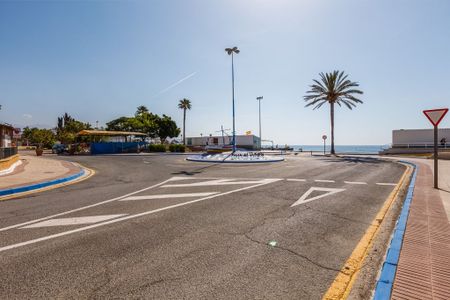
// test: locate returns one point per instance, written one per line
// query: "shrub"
(156, 148)
(177, 148)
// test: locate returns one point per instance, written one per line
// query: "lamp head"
(232, 50)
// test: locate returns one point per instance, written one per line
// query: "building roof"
(6, 125)
(109, 133)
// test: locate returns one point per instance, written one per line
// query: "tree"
(41, 137)
(148, 121)
(26, 136)
(67, 128)
(142, 109)
(167, 128)
(184, 104)
(124, 124)
(333, 88)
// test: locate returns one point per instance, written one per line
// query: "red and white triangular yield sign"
(435, 115)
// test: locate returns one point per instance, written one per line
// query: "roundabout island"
(235, 157)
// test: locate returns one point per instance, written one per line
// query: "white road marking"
(73, 221)
(166, 196)
(90, 206)
(323, 180)
(229, 181)
(266, 181)
(355, 182)
(303, 198)
(295, 179)
(383, 183)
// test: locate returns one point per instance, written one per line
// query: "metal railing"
(422, 145)
(7, 152)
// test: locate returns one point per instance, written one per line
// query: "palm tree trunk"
(184, 127)
(332, 127)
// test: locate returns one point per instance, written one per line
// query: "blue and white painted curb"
(385, 283)
(11, 168)
(27, 188)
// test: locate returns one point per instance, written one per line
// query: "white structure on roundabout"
(236, 157)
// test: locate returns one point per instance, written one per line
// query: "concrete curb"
(385, 282)
(36, 186)
(11, 168)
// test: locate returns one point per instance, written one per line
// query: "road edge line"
(13, 193)
(343, 283)
(385, 282)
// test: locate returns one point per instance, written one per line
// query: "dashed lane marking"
(129, 217)
(295, 179)
(384, 183)
(304, 197)
(323, 180)
(166, 196)
(355, 182)
(73, 221)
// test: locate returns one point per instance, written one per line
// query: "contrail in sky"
(175, 84)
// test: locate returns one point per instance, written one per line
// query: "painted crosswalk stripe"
(355, 182)
(384, 183)
(73, 221)
(166, 196)
(323, 180)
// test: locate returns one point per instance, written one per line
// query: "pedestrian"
(443, 142)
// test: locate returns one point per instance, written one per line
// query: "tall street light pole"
(232, 51)
(260, 136)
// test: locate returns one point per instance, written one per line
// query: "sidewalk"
(36, 173)
(423, 269)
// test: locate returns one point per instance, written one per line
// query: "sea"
(343, 149)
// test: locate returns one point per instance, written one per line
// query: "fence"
(116, 147)
(422, 145)
(7, 152)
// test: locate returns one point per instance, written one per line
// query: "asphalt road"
(159, 227)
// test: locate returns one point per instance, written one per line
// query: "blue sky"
(99, 60)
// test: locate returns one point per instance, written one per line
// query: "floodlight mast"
(232, 51)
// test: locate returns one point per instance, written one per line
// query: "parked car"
(59, 148)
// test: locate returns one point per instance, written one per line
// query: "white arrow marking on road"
(49, 237)
(303, 198)
(166, 196)
(217, 182)
(73, 221)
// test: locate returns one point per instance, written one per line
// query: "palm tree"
(333, 88)
(184, 104)
(142, 109)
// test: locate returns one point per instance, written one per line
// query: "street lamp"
(232, 51)
(260, 137)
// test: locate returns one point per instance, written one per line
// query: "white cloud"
(27, 116)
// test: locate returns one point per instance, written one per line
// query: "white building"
(250, 142)
(418, 138)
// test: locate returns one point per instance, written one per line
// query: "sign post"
(324, 137)
(435, 116)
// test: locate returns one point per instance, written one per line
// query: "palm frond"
(333, 87)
